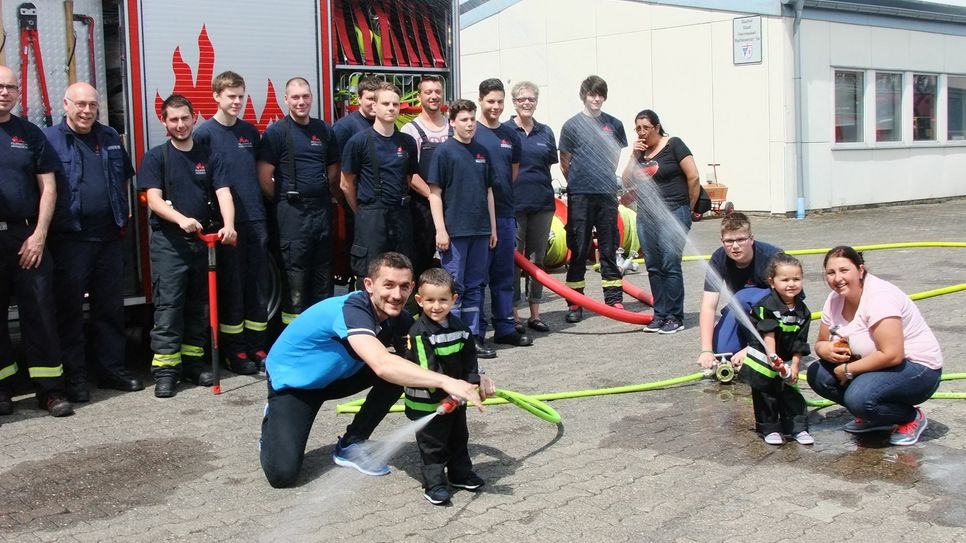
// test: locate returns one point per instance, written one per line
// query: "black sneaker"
(57, 405)
(473, 482)
(671, 326)
(655, 326)
(482, 350)
(438, 495)
(575, 313)
(240, 363)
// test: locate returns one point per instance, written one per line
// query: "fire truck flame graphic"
(198, 90)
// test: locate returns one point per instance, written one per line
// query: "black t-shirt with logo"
(193, 178)
(504, 147)
(396, 156)
(236, 147)
(463, 171)
(24, 153)
(316, 147)
(595, 145)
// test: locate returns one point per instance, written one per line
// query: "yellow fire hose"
(535, 403)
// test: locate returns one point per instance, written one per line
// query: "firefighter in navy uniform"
(377, 169)
(182, 184)
(86, 243)
(27, 198)
(243, 281)
(298, 168)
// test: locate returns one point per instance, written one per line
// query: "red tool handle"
(211, 240)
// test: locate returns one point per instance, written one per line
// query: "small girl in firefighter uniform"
(442, 343)
(782, 319)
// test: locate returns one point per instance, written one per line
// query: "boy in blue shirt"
(461, 199)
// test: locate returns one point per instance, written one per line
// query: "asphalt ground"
(681, 464)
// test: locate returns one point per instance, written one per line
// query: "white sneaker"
(774, 438)
(804, 438)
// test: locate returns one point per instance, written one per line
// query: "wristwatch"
(848, 374)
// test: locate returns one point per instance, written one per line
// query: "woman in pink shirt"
(879, 357)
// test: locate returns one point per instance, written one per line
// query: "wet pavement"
(680, 464)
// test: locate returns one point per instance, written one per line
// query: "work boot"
(240, 363)
(259, 357)
(165, 382)
(515, 338)
(57, 405)
(482, 350)
(121, 380)
(196, 373)
(77, 390)
(575, 313)
(6, 403)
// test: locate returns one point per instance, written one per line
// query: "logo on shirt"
(400, 152)
(608, 129)
(504, 143)
(315, 141)
(113, 147)
(16, 142)
(200, 168)
(244, 143)
(480, 159)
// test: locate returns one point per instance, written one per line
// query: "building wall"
(868, 173)
(674, 60)
(678, 61)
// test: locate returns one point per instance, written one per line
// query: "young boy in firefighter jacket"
(440, 342)
(182, 184)
(782, 319)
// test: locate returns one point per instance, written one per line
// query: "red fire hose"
(211, 240)
(640, 294)
(575, 297)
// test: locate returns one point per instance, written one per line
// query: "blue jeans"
(467, 260)
(663, 245)
(501, 275)
(886, 396)
(726, 338)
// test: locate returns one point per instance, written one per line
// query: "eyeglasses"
(83, 105)
(735, 241)
(523, 99)
(645, 128)
(9, 88)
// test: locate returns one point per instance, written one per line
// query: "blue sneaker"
(357, 456)
(438, 495)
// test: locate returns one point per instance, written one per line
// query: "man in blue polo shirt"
(242, 268)
(590, 146)
(377, 168)
(298, 168)
(335, 349)
(27, 198)
(503, 145)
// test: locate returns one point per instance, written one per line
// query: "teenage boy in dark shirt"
(503, 146)
(182, 182)
(377, 168)
(590, 145)
(298, 168)
(461, 198)
(243, 268)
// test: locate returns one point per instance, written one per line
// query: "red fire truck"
(137, 52)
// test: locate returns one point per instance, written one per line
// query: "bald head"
(9, 92)
(80, 104)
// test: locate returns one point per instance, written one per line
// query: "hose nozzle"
(724, 372)
(449, 405)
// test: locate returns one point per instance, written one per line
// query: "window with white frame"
(888, 106)
(956, 108)
(849, 114)
(924, 107)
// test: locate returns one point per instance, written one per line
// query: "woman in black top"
(665, 179)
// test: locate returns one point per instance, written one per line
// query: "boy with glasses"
(740, 265)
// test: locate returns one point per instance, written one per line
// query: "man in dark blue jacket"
(87, 246)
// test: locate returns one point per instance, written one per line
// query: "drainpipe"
(799, 6)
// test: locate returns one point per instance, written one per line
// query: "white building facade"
(880, 115)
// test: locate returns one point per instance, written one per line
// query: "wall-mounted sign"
(747, 38)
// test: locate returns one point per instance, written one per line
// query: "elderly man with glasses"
(739, 268)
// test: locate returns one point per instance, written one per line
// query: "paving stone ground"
(680, 464)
